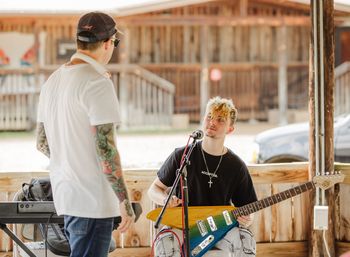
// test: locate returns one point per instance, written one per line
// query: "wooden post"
(32, 97)
(186, 40)
(204, 86)
(322, 108)
(243, 8)
(282, 75)
(124, 79)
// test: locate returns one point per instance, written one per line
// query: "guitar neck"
(271, 200)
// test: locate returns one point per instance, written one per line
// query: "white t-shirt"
(72, 100)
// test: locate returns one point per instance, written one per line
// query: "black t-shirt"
(233, 182)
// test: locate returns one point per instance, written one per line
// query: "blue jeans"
(88, 237)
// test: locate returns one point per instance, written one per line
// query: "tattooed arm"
(41, 140)
(110, 161)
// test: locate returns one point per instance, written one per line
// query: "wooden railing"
(281, 230)
(253, 86)
(145, 98)
(149, 100)
(18, 98)
(342, 89)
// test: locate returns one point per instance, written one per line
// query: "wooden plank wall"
(279, 228)
(230, 44)
(252, 86)
(178, 44)
(227, 46)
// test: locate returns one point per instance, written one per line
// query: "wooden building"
(237, 49)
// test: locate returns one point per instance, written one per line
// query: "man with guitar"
(216, 176)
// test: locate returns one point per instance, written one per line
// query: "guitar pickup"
(227, 217)
(211, 223)
(202, 228)
(202, 245)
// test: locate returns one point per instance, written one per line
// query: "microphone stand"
(181, 172)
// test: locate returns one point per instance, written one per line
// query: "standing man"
(215, 176)
(77, 115)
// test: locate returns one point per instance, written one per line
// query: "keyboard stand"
(16, 239)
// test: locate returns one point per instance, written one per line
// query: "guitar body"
(207, 224)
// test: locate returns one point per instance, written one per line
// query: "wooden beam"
(286, 4)
(271, 173)
(7, 254)
(186, 40)
(285, 249)
(131, 252)
(243, 8)
(282, 75)
(295, 172)
(321, 117)
(342, 247)
(224, 66)
(216, 21)
(345, 169)
(124, 54)
(204, 83)
(9, 181)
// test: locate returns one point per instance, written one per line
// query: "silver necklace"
(208, 173)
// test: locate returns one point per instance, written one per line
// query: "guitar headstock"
(326, 181)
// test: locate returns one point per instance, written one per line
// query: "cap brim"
(119, 31)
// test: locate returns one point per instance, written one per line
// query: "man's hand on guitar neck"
(245, 221)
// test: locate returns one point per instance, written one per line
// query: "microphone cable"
(169, 231)
(46, 231)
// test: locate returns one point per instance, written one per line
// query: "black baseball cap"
(95, 26)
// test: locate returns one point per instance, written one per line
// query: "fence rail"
(281, 230)
(145, 98)
(18, 98)
(253, 86)
(148, 98)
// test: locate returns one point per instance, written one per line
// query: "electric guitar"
(208, 224)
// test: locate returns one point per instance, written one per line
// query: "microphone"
(197, 134)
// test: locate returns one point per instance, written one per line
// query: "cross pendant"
(210, 182)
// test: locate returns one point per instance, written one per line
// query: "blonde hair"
(224, 107)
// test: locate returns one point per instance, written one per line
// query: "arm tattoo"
(110, 161)
(41, 140)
